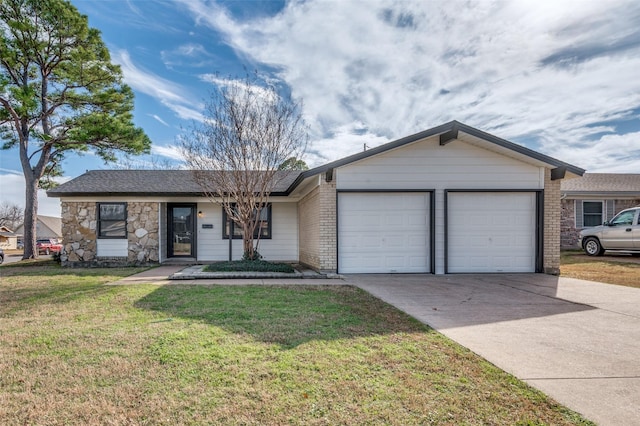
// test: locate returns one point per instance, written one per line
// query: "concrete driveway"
(577, 341)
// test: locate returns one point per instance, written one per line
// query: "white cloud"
(170, 151)
(13, 191)
(610, 153)
(527, 70)
(192, 50)
(346, 140)
(166, 92)
(189, 54)
(156, 117)
(241, 85)
(10, 171)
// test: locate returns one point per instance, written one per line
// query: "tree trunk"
(30, 218)
(247, 241)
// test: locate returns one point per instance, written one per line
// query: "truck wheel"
(593, 247)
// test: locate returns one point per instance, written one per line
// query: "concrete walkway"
(161, 274)
(577, 341)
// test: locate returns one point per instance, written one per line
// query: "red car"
(48, 246)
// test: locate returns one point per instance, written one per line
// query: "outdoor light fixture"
(200, 214)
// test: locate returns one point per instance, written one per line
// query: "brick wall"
(626, 204)
(317, 222)
(568, 231)
(328, 233)
(309, 229)
(552, 213)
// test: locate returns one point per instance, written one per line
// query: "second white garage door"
(491, 232)
(383, 232)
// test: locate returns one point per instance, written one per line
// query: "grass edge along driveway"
(74, 351)
(610, 268)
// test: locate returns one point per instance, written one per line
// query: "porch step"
(180, 261)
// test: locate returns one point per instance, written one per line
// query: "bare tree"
(11, 215)
(248, 132)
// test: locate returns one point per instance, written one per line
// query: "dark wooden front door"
(181, 235)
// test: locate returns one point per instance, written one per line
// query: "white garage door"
(383, 232)
(491, 232)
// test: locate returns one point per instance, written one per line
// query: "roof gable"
(54, 224)
(447, 133)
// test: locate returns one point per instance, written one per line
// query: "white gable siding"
(283, 246)
(427, 165)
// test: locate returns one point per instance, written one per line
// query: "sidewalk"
(159, 275)
(183, 274)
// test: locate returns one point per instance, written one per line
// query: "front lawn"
(75, 351)
(619, 270)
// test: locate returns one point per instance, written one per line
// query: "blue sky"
(560, 77)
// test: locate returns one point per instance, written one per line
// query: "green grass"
(249, 266)
(76, 351)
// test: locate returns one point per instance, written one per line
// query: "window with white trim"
(592, 213)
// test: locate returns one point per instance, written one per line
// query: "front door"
(181, 234)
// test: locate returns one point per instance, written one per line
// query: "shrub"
(251, 257)
(249, 266)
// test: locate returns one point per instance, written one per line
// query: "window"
(112, 220)
(592, 213)
(624, 218)
(263, 226)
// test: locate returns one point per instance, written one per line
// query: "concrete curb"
(196, 273)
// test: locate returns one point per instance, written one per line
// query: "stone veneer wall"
(79, 227)
(143, 223)
(78, 233)
(552, 212)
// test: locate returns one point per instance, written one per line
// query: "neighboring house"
(8, 238)
(593, 199)
(46, 227)
(450, 199)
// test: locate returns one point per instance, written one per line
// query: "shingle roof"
(603, 183)
(53, 223)
(181, 182)
(145, 182)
